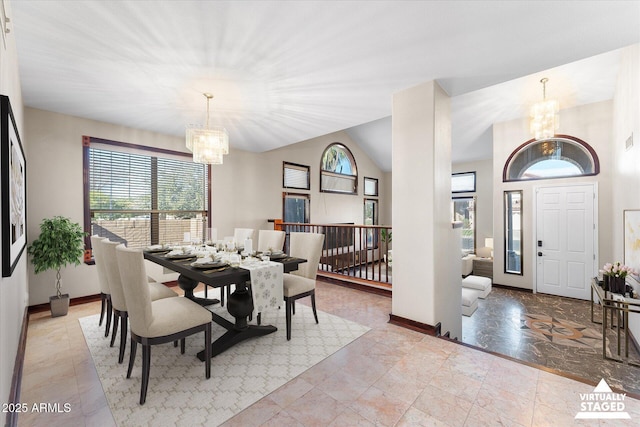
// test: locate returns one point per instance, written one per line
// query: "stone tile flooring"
(550, 331)
(391, 376)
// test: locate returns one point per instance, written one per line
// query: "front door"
(565, 240)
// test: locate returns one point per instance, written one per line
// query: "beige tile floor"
(391, 376)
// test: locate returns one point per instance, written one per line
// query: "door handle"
(539, 253)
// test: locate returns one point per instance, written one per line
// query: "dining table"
(239, 304)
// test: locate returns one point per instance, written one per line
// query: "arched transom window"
(338, 171)
(558, 157)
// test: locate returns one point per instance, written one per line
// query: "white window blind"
(295, 176)
(141, 199)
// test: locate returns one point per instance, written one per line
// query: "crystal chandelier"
(544, 115)
(209, 144)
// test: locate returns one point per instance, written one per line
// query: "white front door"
(565, 240)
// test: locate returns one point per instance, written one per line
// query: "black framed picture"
(464, 182)
(14, 190)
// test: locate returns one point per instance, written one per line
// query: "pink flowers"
(617, 270)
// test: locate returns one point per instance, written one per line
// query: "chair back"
(240, 234)
(97, 256)
(309, 247)
(108, 250)
(270, 239)
(136, 289)
(212, 234)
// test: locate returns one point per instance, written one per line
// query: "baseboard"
(39, 308)
(16, 380)
(415, 326)
(353, 283)
(512, 288)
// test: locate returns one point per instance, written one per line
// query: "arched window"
(338, 171)
(558, 157)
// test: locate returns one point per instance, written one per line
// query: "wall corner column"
(425, 286)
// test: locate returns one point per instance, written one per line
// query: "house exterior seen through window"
(338, 171)
(141, 196)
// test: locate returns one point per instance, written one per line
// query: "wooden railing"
(350, 251)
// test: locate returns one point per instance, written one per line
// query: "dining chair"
(105, 292)
(120, 313)
(302, 282)
(241, 234)
(270, 240)
(160, 321)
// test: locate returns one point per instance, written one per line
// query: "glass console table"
(618, 307)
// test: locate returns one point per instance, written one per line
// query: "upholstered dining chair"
(270, 239)
(105, 292)
(160, 321)
(241, 234)
(302, 282)
(120, 315)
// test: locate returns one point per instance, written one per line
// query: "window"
(558, 157)
(295, 176)
(464, 182)
(141, 196)
(513, 232)
(464, 210)
(295, 208)
(338, 172)
(370, 186)
(371, 218)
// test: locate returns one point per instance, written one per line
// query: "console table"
(483, 267)
(618, 306)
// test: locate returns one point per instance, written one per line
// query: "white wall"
(426, 288)
(247, 188)
(13, 290)
(593, 124)
(626, 180)
(484, 196)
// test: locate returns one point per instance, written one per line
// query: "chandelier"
(209, 144)
(544, 115)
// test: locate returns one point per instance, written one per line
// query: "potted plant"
(386, 235)
(61, 242)
(614, 277)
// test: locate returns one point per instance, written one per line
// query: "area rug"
(178, 392)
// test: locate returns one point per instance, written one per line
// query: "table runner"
(266, 285)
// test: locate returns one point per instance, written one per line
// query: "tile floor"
(389, 377)
(549, 331)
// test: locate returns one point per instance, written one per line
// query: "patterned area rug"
(178, 392)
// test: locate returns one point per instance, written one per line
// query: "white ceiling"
(285, 71)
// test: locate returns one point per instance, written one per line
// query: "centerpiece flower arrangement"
(614, 275)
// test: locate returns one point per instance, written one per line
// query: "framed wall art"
(632, 238)
(14, 190)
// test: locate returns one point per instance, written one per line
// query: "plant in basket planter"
(614, 276)
(61, 242)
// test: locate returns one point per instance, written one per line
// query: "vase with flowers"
(614, 276)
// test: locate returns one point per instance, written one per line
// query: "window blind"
(296, 176)
(141, 199)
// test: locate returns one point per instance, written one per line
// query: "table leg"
(188, 285)
(240, 306)
(604, 331)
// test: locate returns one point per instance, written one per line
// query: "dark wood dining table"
(239, 304)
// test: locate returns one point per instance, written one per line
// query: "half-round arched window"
(559, 157)
(338, 171)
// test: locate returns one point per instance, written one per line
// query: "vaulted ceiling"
(286, 71)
